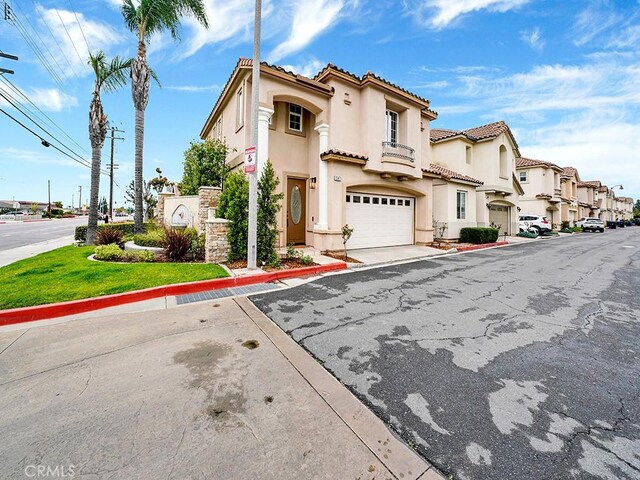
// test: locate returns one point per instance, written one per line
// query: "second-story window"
(240, 108)
(295, 117)
(392, 126)
(523, 176)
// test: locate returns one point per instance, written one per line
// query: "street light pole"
(253, 176)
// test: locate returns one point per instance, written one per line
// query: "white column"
(264, 114)
(323, 178)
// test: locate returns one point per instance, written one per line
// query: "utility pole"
(112, 167)
(253, 176)
(49, 193)
(80, 198)
(7, 16)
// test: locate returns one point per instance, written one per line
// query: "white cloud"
(533, 38)
(69, 48)
(308, 69)
(629, 37)
(438, 14)
(228, 21)
(310, 19)
(52, 99)
(592, 21)
(40, 157)
(194, 88)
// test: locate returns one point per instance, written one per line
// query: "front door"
(296, 211)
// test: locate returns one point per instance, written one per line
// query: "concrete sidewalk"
(26, 251)
(208, 390)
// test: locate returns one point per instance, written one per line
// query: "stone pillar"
(162, 196)
(323, 179)
(264, 115)
(216, 248)
(207, 198)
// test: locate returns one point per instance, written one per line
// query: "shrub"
(125, 228)
(138, 256)
(478, 235)
(267, 221)
(108, 253)
(153, 238)
(234, 206)
(197, 246)
(565, 225)
(527, 234)
(566, 230)
(108, 234)
(177, 244)
(306, 259)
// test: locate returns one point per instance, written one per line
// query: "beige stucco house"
(569, 185)
(540, 181)
(604, 203)
(347, 149)
(489, 193)
(588, 197)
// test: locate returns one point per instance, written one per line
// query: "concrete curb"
(54, 310)
(481, 246)
(400, 460)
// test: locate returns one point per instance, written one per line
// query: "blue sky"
(565, 75)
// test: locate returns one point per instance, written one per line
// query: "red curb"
(478, 247)
(54, 310)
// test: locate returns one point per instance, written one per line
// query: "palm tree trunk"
(92, 227)
(138, 187)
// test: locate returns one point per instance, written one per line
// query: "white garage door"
(379, 220)
(499, 215)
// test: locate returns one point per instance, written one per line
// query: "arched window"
(504, 162)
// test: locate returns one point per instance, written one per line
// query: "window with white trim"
(468, 154)
(461, 205)
(240, 108)
(295, 117)
(523, 176)
(392, 126)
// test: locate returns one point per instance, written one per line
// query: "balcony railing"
(397, 150)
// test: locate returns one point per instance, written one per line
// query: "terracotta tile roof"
(603, 188)
(447, 174)
(360, 80)
(569, 172)
(342, 153)
(523, 162)
(590, 184)
(490, 130)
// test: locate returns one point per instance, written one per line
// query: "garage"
(500, 215)
(380, 220)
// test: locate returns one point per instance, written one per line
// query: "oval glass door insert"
(296, 205)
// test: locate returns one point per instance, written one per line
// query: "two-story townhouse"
(485, 155)
(628, 208)
(540, 181)
(605, 196)
(347, 149)
(569, 185)
(588, 205)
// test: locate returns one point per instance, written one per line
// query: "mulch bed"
(285, 264)
(339, 256)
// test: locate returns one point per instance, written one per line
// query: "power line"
(69, 35)
(79, 25)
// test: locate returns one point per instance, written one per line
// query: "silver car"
(593, 225)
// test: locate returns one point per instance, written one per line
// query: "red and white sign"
(250, 160)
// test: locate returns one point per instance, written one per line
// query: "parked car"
(580, 222)
(537, 223)
(620, 223)
(593, 225)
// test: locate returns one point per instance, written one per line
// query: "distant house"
(588, 199)
(569, 180)
(347, 149)
(485, 191)
(540, 181)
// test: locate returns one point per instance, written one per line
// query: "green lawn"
(66, 274)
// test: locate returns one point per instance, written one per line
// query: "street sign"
(16, 205)
(250, 160)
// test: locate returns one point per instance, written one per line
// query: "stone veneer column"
(264, 115)
(207, 198)
(160, 207)
(216, 247)
(323, 178)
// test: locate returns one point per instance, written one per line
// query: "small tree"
(439, 228)
(234, 206)
(158, 183)
(34, 208)
(149, 200)
(204, 166)
(267, 224)
(347, 231)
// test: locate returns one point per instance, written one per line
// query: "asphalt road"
(513, 363)
(18, 234)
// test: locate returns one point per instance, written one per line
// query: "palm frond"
(155, 16)
(116, 74)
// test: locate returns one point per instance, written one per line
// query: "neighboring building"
(625, 208)
(486, 190)
(588, 199)
(347, 150)
(569, 185)
(540, 181)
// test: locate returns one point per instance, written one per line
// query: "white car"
(593, 224)
(537, 223)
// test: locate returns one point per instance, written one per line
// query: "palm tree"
(108, 77)
(145, 19)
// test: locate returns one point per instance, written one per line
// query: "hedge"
(479, 235)
(81, 230)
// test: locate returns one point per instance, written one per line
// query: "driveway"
(513, 363)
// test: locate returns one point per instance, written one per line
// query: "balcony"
(397, 150)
